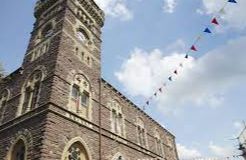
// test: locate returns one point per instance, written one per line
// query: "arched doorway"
(75, 150)
(19, 151)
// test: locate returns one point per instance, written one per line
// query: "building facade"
(56, 106)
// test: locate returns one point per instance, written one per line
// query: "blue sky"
(143, 41)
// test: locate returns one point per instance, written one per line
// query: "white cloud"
(238, 125)
(235, 14)
(169, 6)
(220, 151)
(187, 153)
(116, 9)
(201, 82)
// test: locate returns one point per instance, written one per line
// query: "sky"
(143, 43)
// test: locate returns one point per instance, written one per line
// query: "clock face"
(81, 36)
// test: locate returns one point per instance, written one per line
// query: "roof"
(134, 105)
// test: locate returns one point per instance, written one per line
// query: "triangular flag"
(147, 102)
(170, 79)
(155, 94)
(214, 21)
(193, 48)
(160, 89)
(175, 72)
(186, 56)
(232, 1)
(207, 30)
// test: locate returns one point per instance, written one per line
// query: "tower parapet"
(89, 6)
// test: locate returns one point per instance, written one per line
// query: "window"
(85, 99)
(19, 151)
(158, 143)
(47, 30)
(75, 92)
(117, 119)
(3, 101)
(31, 92)
(76, 152)
(121, 124)
(114, 121)
(141, 133)
(82, 56)
(80, 97)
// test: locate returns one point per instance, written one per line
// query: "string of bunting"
(208, 30)
(233, 157)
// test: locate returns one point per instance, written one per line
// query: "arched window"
(80, 97)
(31, 92)
(47, 31)
(141, 133)
(117, 119)
(19, 151)
(75, 151)
(158, 143)
(4, 96)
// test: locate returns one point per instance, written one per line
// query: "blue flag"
(207, 30)
(232, 1)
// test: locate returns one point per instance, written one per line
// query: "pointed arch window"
(158, 144)
(4, 96)
(31, 92)
(80, 97)
(117, 118)
(141, 133)
(19, 151)
(76, 152)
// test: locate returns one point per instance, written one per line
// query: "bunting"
(207, 30)
(170, 78)
(175, 72)
(232, 1)
(193, 48)
(214, 21)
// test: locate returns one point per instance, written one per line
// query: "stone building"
(56, 106)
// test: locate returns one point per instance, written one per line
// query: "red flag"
(193, 48)
(214, 21)
(175, 72)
